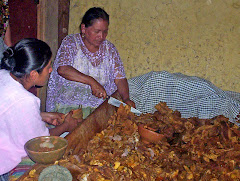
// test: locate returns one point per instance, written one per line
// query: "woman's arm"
(120, 80)
(69, 125)
(53, 118)
(123, 89)
(70, 73)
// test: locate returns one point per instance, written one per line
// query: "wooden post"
(53, 19)
(63, 19)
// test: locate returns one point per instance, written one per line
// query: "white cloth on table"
(191, 96)
(20, 121)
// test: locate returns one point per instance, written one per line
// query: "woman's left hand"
(130, 103)
(53, 118)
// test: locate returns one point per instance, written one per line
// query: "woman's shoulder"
(69, 43)
(107, 43)
(12, 90)
(72, 38)
(10, 97)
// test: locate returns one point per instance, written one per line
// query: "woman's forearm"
(70, 73)
(123, 88)
(57, 131)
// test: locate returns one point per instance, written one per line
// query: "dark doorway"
(23, 21)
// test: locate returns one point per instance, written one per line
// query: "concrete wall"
(199, 38)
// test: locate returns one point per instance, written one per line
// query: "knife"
(117, 103)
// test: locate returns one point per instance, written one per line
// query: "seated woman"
(87, 68)
(23, 66)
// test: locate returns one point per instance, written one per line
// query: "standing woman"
(23, 66)
(87, 68)
(5, 32)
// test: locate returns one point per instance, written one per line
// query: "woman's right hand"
(98, 90)
(70, 123)
(70, 73)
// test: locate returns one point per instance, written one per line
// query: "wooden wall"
(52, 28)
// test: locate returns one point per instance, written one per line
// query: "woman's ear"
(83, 28)
(33, 75)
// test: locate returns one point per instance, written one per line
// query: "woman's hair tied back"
(92, 14)
(9, 52)
(26, 55)
(8, 61)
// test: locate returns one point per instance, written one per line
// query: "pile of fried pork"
(194, 149)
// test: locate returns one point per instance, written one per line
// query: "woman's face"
(44, 75)
(94, 35)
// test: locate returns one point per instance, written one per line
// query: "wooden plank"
(63, 19)
(41, 19)
(53, 20)
(48, 32)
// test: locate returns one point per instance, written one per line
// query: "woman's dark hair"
(26, 55)
(92, 14)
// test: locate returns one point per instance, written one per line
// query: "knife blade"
(117, 103)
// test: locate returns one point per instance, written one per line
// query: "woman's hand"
(53, 118)
(71, 123)
(98, 90)
(68, 125)
(130, 103)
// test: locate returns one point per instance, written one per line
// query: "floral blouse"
(4, 17)
(105, 66)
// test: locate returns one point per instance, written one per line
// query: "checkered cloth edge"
(191, 96)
